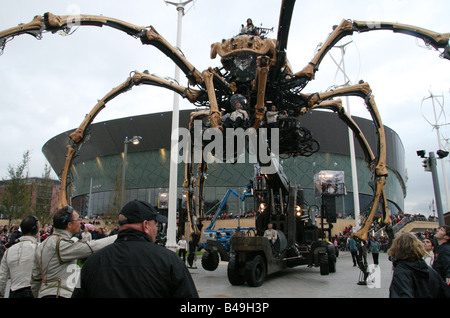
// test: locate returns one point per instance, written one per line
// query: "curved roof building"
(98, 167)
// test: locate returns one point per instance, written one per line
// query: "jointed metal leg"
(376, 164)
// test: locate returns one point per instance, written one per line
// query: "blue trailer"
(217, 242)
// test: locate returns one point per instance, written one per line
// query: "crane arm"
(221, 206)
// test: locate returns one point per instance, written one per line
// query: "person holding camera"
(55, 271)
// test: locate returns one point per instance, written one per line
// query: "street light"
(173, 174)
(429, 163)
(442, 153)
(421, 153)
(135, 141)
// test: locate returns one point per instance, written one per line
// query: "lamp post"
(135, 141)
(173, 170)
(429, 164)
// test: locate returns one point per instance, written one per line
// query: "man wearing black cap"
(134, 266)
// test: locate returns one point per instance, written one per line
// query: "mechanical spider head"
(242, 67)
(240, 53)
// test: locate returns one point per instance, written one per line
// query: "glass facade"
(147, 176)
(97, 168)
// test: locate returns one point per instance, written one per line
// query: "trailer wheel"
(331, 252)
(234, 277)
(210, 260)
(323, 264)
(255, 271)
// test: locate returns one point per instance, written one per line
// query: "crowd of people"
(49, 256)
(421, 263)
(342, 241)
(421, 260)
(10, 234)
(231, 216)
(43, 262)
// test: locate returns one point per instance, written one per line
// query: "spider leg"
(194, 188)
(347, 27)
(261, 79)
(154, 38)
(376, 163)
(63, 194)
(336, 106)
(147, 35)
(136, 79)
(215, 114)
(194, 181)
(364, 91)
(195, 198)
(431, 38)
(195, 178)
(195, 205)
(78, 137)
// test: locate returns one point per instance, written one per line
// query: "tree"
(16, 199)
(43, 196)
(115, 204)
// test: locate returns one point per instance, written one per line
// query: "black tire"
(233, 273)
(323, 264)
(210, 260)
(331, 252)
(255, 271)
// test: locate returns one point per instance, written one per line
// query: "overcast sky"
(48, 86)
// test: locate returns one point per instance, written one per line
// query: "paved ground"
(299, 282)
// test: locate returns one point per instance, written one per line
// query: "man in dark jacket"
(134, 266)
(412, 277)
(415, 279)
(442, 253)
